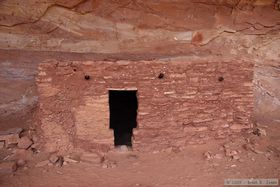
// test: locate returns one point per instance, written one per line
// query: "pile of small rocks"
(54, 160)
(236, 148)
(14, 141)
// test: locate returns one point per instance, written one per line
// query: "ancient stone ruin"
(139, 92)
(179, 102)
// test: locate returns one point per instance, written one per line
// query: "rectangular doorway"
(123, 115)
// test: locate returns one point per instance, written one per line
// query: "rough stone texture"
(188, 104)
(42, 163)
(2, 144)
(10, 139)
(24, 143)
(267, 91)
(53, 158)
(247, 29)
(8, 167)
(144, 26)
(18, 90)
(10, 136)
(21, 162)
(112, 26)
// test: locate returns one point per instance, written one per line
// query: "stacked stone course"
(194, 101)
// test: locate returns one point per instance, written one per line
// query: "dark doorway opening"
(123, 115)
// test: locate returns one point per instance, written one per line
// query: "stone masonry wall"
(189, 105)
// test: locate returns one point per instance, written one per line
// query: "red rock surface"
(35, 31)
(218, 28)
(190, 104)
(136, 26)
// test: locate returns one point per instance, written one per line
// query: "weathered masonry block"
(179, 102)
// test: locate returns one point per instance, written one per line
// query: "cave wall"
(135, 26)
(129, 28)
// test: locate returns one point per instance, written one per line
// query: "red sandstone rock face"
(196, 28)
(135, 26)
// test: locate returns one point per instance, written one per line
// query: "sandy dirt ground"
(247, 156)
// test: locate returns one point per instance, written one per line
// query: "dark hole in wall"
(161, 76)
(221, 79)
(123, 115)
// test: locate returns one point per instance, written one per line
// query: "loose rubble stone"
(74, 156)
(11, 136)
(259, 132)
(24, 143)
(268, 156)
(109, 164)
(104, 166)
(172, 150)
(274, 150)
(11, 131)
(8, 167)
(60, 161)
(208, 155)
(237, 127)
(35, 138)
(240, 160)
(53, 159)
(59, 172)
(218, 156)
(10, 139)
(226, 146)
(34, 150)
(35, 145)
(252, 148)
(69, 160)
(42, 163)
(21, 162)
(21, 154)
(235, 157)
(230, 153)
(257, 151)
(248, 147)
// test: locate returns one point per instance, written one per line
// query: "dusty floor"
(195, 165)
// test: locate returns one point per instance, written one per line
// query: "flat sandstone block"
(11, 131)
(8, 167)
(10, 136)
(24, 143)
(42, 163)
(9, 139)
